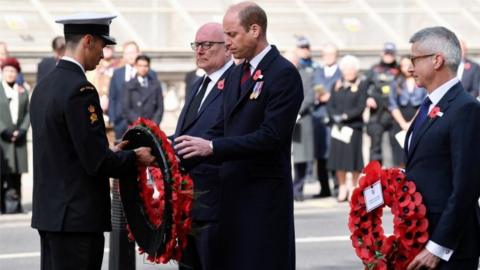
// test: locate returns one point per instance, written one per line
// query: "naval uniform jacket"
(71, 157)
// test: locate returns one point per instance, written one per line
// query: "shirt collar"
(438, 93)
(256, 60)
(215, 76)
(70, 59)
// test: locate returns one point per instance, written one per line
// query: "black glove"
(21, 137)
(337, 118)
(7, 134)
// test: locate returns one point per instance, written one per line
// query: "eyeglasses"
(414, 58)
(204, 44)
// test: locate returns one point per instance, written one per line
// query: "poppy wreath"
(372, 246)
(158, 200)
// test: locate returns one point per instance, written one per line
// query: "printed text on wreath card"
(373, 196)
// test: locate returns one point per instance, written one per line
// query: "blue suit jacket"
(253, 137)
(443, 162)
(206, 175)
(115, 100)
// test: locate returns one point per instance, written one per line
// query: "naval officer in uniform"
(71, 157)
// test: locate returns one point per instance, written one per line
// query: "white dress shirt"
(214, 77)
(330, 70)
(256, 60)
(130, 72)
(435, 97)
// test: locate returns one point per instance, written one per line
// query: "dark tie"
(246, 72)
(422, 115)
(195, 105)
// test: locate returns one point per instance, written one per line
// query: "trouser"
(71, 250)
(202, 251)
(375, 130)
(322, 174)
(300, 171)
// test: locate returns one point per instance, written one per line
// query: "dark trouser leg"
(375, 131)
(122, 250)
(3, 187)
(322, 173)
(299, 180)
(14, 193)
(202, 252)
(71, 251)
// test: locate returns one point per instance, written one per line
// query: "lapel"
(443, 105)
(3, 99)
(188, 101)
(246, 88)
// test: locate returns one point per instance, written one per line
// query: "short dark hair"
(253, 14)
(143, 57)
(58, 43)
(71, 41)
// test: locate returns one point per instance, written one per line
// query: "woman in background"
(14, 123)
(345, 108)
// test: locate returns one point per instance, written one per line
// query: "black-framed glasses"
(204, 44)
(415, 58)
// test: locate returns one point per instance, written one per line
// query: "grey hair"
(349, 60)
(440, 40)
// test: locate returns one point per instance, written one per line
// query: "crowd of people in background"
(341, 104)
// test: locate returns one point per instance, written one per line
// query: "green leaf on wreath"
(378, 255)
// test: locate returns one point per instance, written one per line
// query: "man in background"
(47, 64)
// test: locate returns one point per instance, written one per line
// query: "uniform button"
(447, 252)
(139, 104)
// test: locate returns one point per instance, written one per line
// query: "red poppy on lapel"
(221, 84)
(258, 75)
(467, 66)
(435, 112)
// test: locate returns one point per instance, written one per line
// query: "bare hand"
(119, 146)
(324, 98)
(405, 126)
(144, 156)
(371, 103)
(424, 260)
(188, 146)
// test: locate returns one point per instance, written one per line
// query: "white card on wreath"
(373, 196)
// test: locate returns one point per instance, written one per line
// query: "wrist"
(211, 146)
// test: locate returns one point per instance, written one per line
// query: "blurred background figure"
(379, 84)
(4, 54)
(345, 108)
(101, 76)
(405, 99)
(324, 80)
(117, 87)
(191, 77)
(47, 64)
(143, 97)
(469, 72)
(304, 52)
(14, 123)
(302, 142)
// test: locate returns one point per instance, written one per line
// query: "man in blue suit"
(200, 112)
(253, 138)
(117, 87)
(443, 150)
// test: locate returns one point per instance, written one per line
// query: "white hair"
(349, 60)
